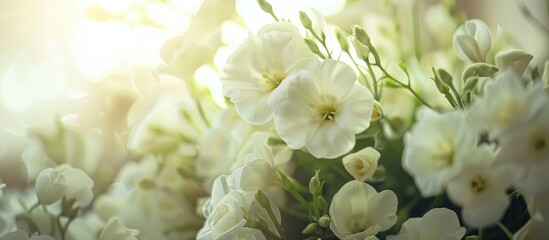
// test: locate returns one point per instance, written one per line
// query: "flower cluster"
(297, 123)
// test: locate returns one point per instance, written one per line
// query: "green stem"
(33, 207)
(294, 213)
(374, 79)
(456, 95)
(360, 71)
(275, 222)
(505, 230)
(322, 41)
(415, 20)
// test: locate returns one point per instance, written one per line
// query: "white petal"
(295, 123)
(485, 212)
(382, 208)
(330, 141)
(440, 222)
(334, 78)
(355, 111)
(252, 106)
(468, 48)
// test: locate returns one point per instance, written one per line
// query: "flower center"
(273, 79)
(477, 184)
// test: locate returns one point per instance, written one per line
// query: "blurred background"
(91, 66)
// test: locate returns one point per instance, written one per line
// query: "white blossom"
(358, 211)
(2, 186)
(532, 230)
(505, 101)
(437, 223)
(325, 108)
(472, 41)
(513, 59)
(538, 206)
(115, 230)
(51, 185)
(79, 185)
(256, 75)
(480, 188)
(22, 235)
(432, 149)
(525, 145)
(363, 164)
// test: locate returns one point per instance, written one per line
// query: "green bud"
(324, 221)
(361, 50)
(322, 204)
(479, 70)
(286, 182)
(402, 65)
(342, 40)
(472, 237)
(313, 47)
(470, 84)
(445, 77)
(265, 6)
(360, 34)
(311, 228)
(315, 185)
(262, 199)
(443, 88)
(305, 20)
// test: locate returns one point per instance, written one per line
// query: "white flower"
(432, 149)
(22, 235)
(50, 186)
(480, 188)
(64, 181)
(525, 145)
(255, 76)
(437, 223)
(358, 211)
(245, 234)
(115, 230)
(514, 59)
(472, 41)
(79, 185)
(324, 110)
(533, 230)
(538, 206)
(363, 164)
(226, 217)
(504, 102)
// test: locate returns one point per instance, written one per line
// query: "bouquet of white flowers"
(273, 120)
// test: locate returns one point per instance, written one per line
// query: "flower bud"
(305, 20)
(377, 112)
(324, 221)
(313, 47)
(311, 228)
(514, 59)
(265, 6)
(50, 186)
(362, 164)
(361, 34)
(472, 41)
(362, 51)
(342, 40)
(286, 182)
(315, 186)
(79, 185)
(114, 229)
(262, 199)
(479, 70)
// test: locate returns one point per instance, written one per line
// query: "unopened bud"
(314, 184)
(361, 34)
(362, 51)
(377, 112)
(311, 228)
(324, 221)
(262, 199)
(305, 20)
(313, 47)
(342, 40)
